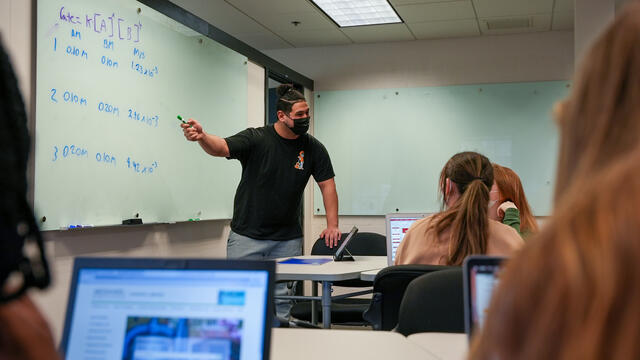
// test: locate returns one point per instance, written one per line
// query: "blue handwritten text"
(143, 70)
(76, 51)
(108, 108)
(151, 120)
(103, 157)
(108, 44)
(108, 62)
(68, 151)
(141, 168)
(109, 24)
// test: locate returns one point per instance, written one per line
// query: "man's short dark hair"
(287, 96)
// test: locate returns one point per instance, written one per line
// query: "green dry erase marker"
(184, 122)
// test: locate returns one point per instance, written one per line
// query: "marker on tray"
(79, 226)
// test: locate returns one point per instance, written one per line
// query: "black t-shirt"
(275, 172)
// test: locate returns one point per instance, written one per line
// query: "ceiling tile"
(406, 2)
(221, 15)
(562, 21)
(424, 19)
(307, 38)
(259, 7)
(378, 33)
(445, 29)
(539, 23)
(310, 20)
(564, 6)
(264, 41)
(454, 10)
(493, 8)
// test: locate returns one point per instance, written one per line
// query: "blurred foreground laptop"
(148, 309)
(397, 226)
(480, 277)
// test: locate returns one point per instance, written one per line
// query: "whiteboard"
(111, 78)
(388, 146)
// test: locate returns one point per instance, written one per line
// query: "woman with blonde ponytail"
(464, 227)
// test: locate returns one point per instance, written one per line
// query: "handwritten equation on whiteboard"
(114, 44)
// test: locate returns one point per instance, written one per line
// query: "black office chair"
(433, 303)
(345, 311)
(388, 289)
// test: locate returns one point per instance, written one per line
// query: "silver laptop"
(152, 309)
(397, 226)
(480, 277)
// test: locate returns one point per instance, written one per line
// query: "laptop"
(147, 309)
(480, 277)
(397, 226)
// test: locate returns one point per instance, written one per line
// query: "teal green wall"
(388, 146)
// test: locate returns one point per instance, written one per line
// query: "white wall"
(591, 17)
(198, 239)
(15, 30)
(508, 58)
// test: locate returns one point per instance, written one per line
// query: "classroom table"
(327, 274)
(444, 346)
(320, 344)
(369, 275)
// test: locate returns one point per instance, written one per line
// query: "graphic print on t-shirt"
(300, 163)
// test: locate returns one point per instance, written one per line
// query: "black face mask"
(301, 125)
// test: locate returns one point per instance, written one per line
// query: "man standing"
(277, 161)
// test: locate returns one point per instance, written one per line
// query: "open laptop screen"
(397, 226)
(480, 280)
(151, 313)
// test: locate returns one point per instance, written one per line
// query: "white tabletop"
(369, 275)
(331, 271)
(312, 344)
(445, 346)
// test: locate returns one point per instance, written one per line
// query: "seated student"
(574, 292)
(464, 228)
(24, 334)
(508, 203)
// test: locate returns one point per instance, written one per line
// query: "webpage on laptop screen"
(168, 314)
(484, 280)
(398, 228)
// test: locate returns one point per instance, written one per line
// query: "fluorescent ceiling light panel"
(359, 12)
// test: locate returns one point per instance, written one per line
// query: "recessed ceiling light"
(347, 13)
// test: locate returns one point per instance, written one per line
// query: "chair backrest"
(388, 289)
(363, 244)
(433, 303)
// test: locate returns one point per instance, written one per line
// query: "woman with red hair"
(508, 204)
